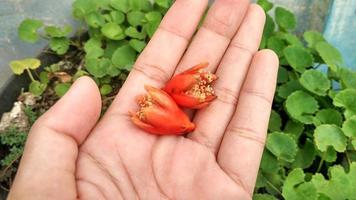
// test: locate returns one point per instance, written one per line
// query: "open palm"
(69, 155)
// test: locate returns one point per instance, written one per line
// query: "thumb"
(47, 168)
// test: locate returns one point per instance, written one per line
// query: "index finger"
(158, 61)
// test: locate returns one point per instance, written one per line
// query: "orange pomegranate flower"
(160, 115)
(192, 88)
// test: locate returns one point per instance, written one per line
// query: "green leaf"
(265, 4)
(301, 106)
(285, 18)
(19, 66)
(288, 88)
(137, 45)
(341, 185)
(275, 122)
(277, 45)
(315, 81)
(140, 5)
(290, 39)
(124, 56)
(28, 30)
(349, 127)
(163, 3)
(134, 33)
(135, 18)
(269, 163)
(330, 155)
(105, 90)
(282, 75)
(61, 89)
(330, 55)
(93, 48)
(44, 77)
(117, 17)
(263, 197)
(113, 31)
(329, 116)
(82, 7)
(282, 146)
(298, 57)
(269, 26)
(95, 20)
(294, 128)
(59, 45)
(313, 38)
(348, 77)
(111, 47)
(329, 135)
(153, 16)
(37, 88)
(295, 187)
(95, 67)
(305, 156)
(121, 5)
(57, 32)
(346, 99)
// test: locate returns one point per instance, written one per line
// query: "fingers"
(212, 39)
(242, 146)
(48, 163)
(158, 61)
(212, 121)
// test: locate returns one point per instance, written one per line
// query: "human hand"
(69, 155)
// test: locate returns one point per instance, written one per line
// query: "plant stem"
(30, 75)
(348, 158)
(320, 165)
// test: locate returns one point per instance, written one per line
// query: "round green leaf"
(61, 89)
(37, 88)
(105, 89)
(18, 66)
(95, 20)
(121, 5)
(285, 18)
(57, 32)
(275, 122)
(135, 18)
(124, 57)
(269, 163)
(269, 26)
(44, 77)
(137, 45)
(59, 45)
(134, 33)
(265, 4)
(82, 7)
(113, 31)
(330, 135)
(282, 146)
(28, 30)
(305, 156)
(315, 81)
(163, 3)
(329, 116)
(312, 38)
(288, 88)
(153, 16)
(349, 127)
(282, 75)
(95, 67)
(294, 128)
(331, 56)
(277, 45)
(295, 187)
(93, 48)
(301, 106)
(346, 99)
(140, 5)
(298, 57)
(117, 17)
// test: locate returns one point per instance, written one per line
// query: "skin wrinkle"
(93, 184)
(236, 179)
(154, 172)
(248, 133)
(102, 168)
(152, 72)
(127, 172)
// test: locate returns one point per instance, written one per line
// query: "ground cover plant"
(310, 148)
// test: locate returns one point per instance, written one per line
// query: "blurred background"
(335, 18)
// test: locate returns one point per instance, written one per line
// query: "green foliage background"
(310, 148)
